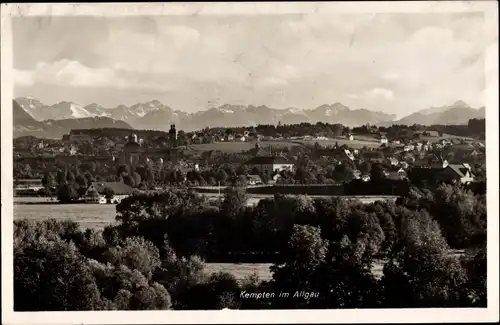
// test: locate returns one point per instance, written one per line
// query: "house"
(392, 161)
(401, 172)
(365, 178)
(240, 138)
(397, 174)
(396, 142)
(383, 139)
(254, 180)
(96, 192)
(350, 137)
(275, 178)
(463, 173)
(440, 163)
(453, 173)
(28, 184)
(409, 147)
(349, 154)
(229, 137)
(72, 150)
(270, 164)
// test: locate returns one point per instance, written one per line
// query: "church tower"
(172, 136)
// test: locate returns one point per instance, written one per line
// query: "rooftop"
(268, 160)
(118, 188)
(460, 170)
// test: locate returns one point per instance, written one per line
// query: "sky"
(394, 63)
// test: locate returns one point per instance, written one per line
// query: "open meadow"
(356, 143)
(244, 270)
(234, 147)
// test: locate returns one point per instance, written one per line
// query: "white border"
(491, 313)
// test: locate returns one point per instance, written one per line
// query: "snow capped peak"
(225, 110)
(333, 109)
(141, 109)
(70, 110)
(294, 110)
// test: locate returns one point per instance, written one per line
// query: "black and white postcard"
(249, 162)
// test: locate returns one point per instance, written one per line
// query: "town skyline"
(392, 63)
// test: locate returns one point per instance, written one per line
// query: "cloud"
(308, 59)
(390, 76)
(66, 73)
(270, 82)
(379, 93)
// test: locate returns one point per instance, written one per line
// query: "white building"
(96, 192)
(270, 164)
(254, 180)
(28, 184)
(463, 173)
(349, 155)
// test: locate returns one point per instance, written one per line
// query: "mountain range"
(457, 113)
(154, 115)
(26, 125)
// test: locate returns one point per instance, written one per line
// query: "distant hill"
(26, 125)
(154, 115)
(459, 113)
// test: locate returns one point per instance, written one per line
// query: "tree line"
(153, 257)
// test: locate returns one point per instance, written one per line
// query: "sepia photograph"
(265, 157)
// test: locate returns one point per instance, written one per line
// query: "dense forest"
(153, 257)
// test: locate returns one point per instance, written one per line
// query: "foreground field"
(96, 216)
(243, 270)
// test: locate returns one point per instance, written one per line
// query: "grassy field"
(359, 141)
(239, 146)
(243, 270)
(96, 216)
(356, 144)
(232, 147)
(445, 136)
